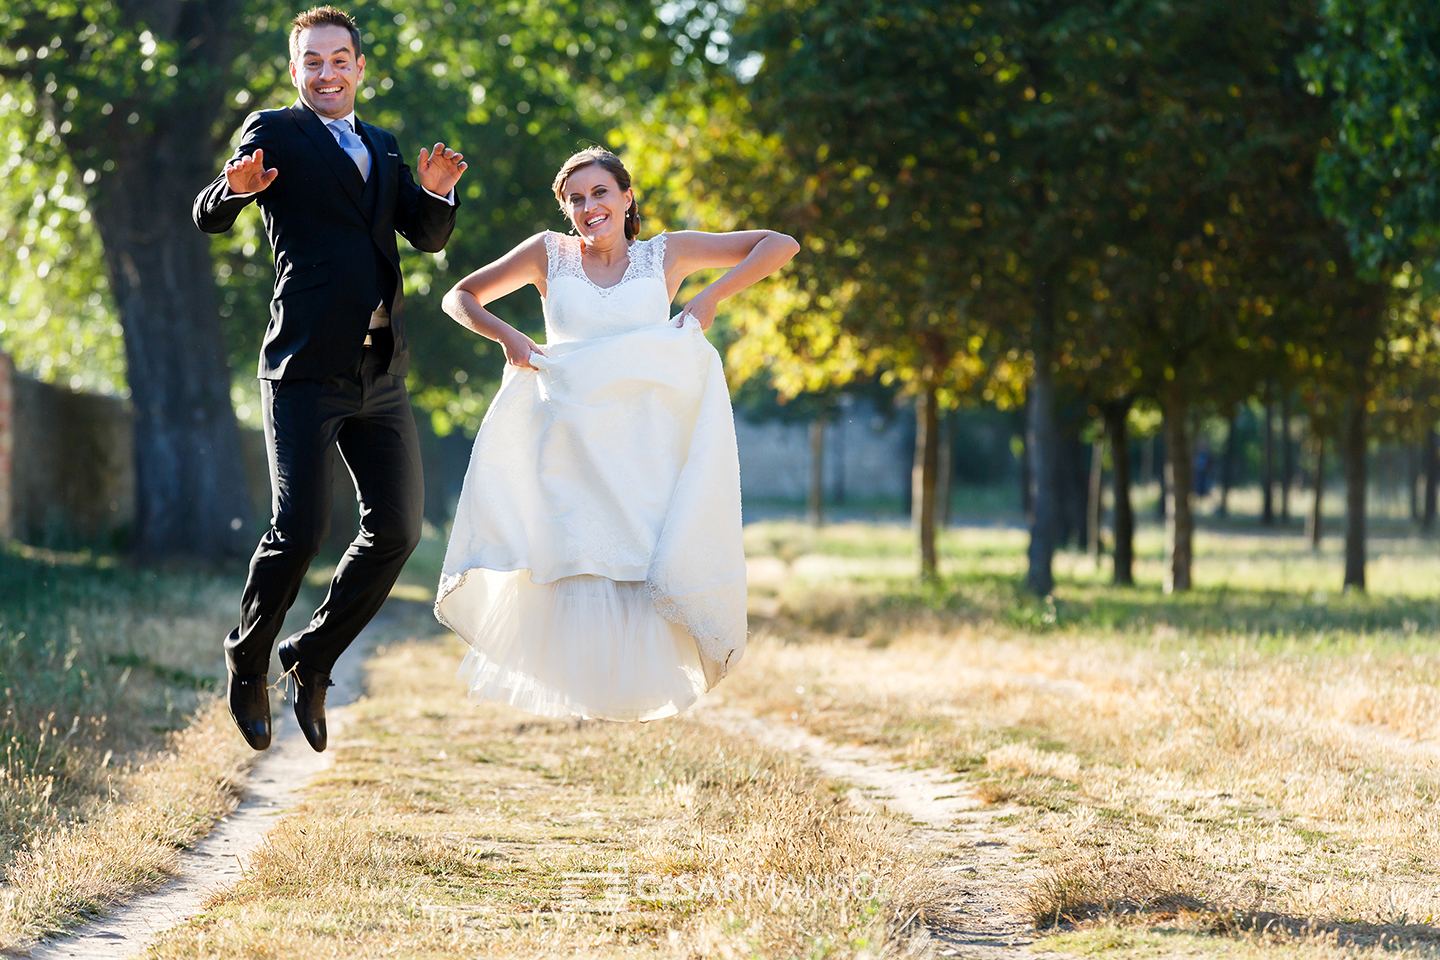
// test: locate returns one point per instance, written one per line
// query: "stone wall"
(71, 479)
(866, 455)
(67, 474)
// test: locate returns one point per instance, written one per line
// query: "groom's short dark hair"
(320, 16)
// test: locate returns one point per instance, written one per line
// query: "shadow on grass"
(867, 606)
(1186, 917)
(1161, 897)
(98, 659)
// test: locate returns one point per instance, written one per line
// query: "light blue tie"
(351, 144)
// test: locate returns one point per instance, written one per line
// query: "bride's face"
(596, 204)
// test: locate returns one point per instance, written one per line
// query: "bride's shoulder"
(679, 241)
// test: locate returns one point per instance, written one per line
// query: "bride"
(595, 567)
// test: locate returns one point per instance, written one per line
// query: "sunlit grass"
(860, 579)
(103, 667)
(447, 829)
(1247, 768)
(98, 662)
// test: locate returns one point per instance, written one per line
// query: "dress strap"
(649, 257)
(563, 255)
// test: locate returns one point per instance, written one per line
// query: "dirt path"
(986, 875)
(273, 785)
(977, 846)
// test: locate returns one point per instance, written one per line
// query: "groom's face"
(328, 71)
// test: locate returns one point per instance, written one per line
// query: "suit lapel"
(382, 168)
(338, 159)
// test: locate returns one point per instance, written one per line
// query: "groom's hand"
(440, 169)
(248, 174)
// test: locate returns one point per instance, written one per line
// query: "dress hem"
(707, 642)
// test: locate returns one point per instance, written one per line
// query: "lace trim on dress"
(708, 615)
(448, 585)
(647, 259)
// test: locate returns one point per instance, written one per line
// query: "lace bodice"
(576, 308)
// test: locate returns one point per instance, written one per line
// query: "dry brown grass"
(1168, 769)
(446, 829)
(1153, 781)
(1228, 774)
(103, 776)
(131, 844)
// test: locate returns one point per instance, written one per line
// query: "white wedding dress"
(595, 567)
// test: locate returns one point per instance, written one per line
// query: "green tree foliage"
(1379, 60)
(141, 98)
(128, 91)
(56, 317)
(836, 122)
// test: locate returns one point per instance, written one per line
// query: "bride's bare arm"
(467, 299)
(751, 255)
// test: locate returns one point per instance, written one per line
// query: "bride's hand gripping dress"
(595, 568)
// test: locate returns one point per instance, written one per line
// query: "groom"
(333, 193)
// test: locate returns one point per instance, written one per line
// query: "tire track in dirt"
(984, 879)
(272, 787)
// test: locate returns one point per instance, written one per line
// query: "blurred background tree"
(138, 102)
(836, 122)
(1225, 215)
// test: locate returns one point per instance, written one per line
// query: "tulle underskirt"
(583, 646)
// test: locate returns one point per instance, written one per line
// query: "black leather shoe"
(250, 708)
(309, 695)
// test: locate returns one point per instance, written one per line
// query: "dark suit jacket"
(333, 235)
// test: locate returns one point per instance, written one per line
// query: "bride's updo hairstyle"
(599, 157)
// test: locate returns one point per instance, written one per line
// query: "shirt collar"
(349, 117)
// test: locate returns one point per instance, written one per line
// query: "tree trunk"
(1227, 465)
(1413, 453)
(1432, 478)
(1074, 487)
(190, 496)
(1118, 430)
(922, 476)
(1044, 497)
(1355, 478)
(1267, 468)
(1287, 459)
(1317, 511)
(946, 472)
(1162, 503)
(1095, 506)
(815, 500)
(1027, 503)
(1179, 524)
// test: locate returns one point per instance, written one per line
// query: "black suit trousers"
(366, 412)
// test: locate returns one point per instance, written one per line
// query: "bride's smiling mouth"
(595, 221)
